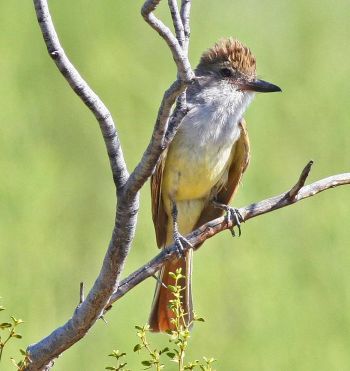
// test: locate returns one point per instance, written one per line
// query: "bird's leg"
(231, 214)
(179, 240)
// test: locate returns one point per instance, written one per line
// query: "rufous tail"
(161, 315)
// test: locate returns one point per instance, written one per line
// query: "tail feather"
(161, 315)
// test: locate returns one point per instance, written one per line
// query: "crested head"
(232, 54)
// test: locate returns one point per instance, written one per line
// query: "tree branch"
(91, 308)
(185, 76)
(85, 93)
(177, 21)
(218, 225)
(185, 17)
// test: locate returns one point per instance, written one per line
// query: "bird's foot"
(180, 242)
(231, 214)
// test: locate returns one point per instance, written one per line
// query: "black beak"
(260, 86)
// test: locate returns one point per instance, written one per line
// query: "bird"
(199, 173)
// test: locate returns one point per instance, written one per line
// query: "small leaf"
(164, 350)
(137, 347)
(146, 363)
(23, 352)
(5, 325)
(199, 319)
(110, 368)
(170, 355)
(139, 328)
(17, 336)
(172, 288)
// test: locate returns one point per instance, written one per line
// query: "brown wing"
(159, 216)
(239, 164)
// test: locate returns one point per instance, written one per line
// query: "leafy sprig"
(8, 332)
(179, 336)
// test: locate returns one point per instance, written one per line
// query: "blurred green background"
(278, 298)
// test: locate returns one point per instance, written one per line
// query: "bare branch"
(185, 76)
(301, 181)
(183, 65)
(185, 17)
(87, 95)
(179, 28)
(218, 225)
(91, 308)
(81, 293)
(156, 146)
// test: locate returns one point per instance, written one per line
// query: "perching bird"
(204, 163)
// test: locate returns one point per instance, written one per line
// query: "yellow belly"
(193, 174)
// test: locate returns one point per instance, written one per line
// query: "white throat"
(215, 112)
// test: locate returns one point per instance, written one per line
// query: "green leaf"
(170, 355)
(146, 363)
(139, 328)
(199, 319)
(137, 347)
(110, 368)
(5, 325)
(166, 349)
(23, 352)
(17, 336)
(172, 288)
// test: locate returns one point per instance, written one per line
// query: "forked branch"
(91, 308)
(178, 46)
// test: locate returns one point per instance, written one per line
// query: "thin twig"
(185, 17)
(87, 95)
(157, 144)
(81, 293)
(179, 28)
(218, 225)
(301, 181)
(180, 58)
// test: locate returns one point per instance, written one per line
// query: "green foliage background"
(275, 299)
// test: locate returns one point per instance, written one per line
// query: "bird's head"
(231, 63)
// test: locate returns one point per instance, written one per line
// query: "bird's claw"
(180, 242)
(232, 214)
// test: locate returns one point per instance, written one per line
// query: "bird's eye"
(226, 72)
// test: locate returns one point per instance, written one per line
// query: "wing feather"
(159, 216)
